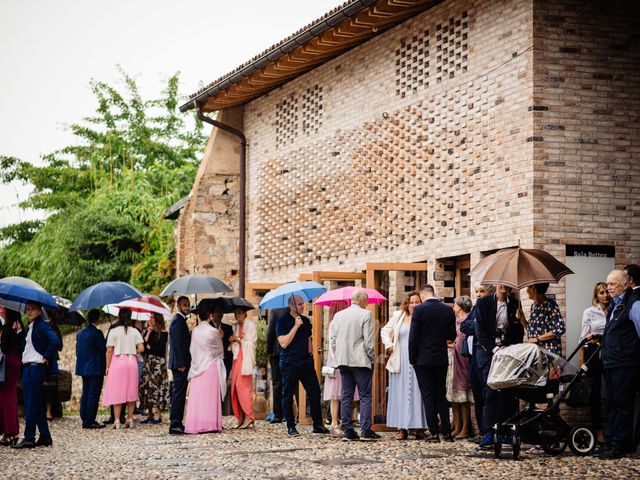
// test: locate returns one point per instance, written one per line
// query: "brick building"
(394, 142)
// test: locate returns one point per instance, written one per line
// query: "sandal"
(8, 441)
(402, 434)
(420, 435)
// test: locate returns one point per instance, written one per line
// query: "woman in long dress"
(243, 346)
(154, 386)
(207, 377)
(458, 386)
(405, 410)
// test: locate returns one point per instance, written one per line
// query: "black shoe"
(435, 438)
(612, 454)
(44, 442)
(24, 444)
(94, 426)
(176, 431)
(320, 430)
(448, 438)
(350, 436)
(293, 432)
(275, 420)
(109, 421)
(369, 436)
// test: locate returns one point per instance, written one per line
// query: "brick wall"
(586, 109)
(415, 146)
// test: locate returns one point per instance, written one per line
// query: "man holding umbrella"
(296, 364)
(38, 360)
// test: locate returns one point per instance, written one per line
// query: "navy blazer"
(486, 331)
(179, 342)
(91, 348)
(46, 343)
(433, 323)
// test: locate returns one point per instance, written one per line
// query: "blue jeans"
(352, 377)
(35, 412)
(292, 372)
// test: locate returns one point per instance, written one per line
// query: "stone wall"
(414, 146)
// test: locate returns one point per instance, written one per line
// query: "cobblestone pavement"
(148, 452)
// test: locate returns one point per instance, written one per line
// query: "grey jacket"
(351, 338)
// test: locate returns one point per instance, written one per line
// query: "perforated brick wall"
(401, 168)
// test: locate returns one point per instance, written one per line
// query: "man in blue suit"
(179, 363)
(91, 351)
(39, 360)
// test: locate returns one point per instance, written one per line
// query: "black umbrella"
(228, 304)
(195, 285)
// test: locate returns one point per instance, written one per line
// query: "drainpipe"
(243, 181)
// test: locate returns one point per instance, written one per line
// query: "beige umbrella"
(519, 268)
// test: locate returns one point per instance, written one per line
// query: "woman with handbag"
(12, 341)
(405, 410)
(594, 320)
(243, 345)
(332, 390)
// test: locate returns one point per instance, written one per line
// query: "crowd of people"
(437, 357)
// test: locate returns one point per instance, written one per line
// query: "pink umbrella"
(344, 294)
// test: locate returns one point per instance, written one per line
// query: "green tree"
(106, 194)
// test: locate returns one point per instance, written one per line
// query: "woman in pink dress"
(243, 346)
(207, 377)
(124, 342)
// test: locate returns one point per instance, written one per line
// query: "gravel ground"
(148, 452)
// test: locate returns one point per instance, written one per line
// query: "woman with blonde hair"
(243, 345)
(405, 410)
(594, 320)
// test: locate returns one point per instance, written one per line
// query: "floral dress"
(546, 317)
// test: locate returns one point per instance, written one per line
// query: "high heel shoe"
(130, 424)
(117, 426)
(248, 422)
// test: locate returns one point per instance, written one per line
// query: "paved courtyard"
(148, 452)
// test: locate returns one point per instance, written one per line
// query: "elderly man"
(39, 359)
(497, 326)
(433, 324)
(621, 363)
(293, 331)
(352, 346)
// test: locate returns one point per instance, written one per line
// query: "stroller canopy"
(525, 365)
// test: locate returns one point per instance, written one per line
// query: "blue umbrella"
(104, 293)
(16, 296)
(278, 297)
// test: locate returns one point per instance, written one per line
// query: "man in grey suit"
(351, 342)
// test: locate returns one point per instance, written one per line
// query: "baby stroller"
(537, 376)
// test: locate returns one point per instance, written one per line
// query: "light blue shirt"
(634, 313)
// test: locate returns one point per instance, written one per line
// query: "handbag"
(579, 394)
(328, 371)
(467, 347)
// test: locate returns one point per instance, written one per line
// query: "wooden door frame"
(372, 268)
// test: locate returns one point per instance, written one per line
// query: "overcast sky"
(50, 50)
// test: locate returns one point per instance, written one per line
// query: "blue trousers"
(498, 405)
(432, 381)
(352, 377)
(301, 371)
(91, 388)
(621, 386)
(35, 412)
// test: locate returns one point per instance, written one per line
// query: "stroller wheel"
(555, 448)
(516, 443)
(582, 441)
(497, 446)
